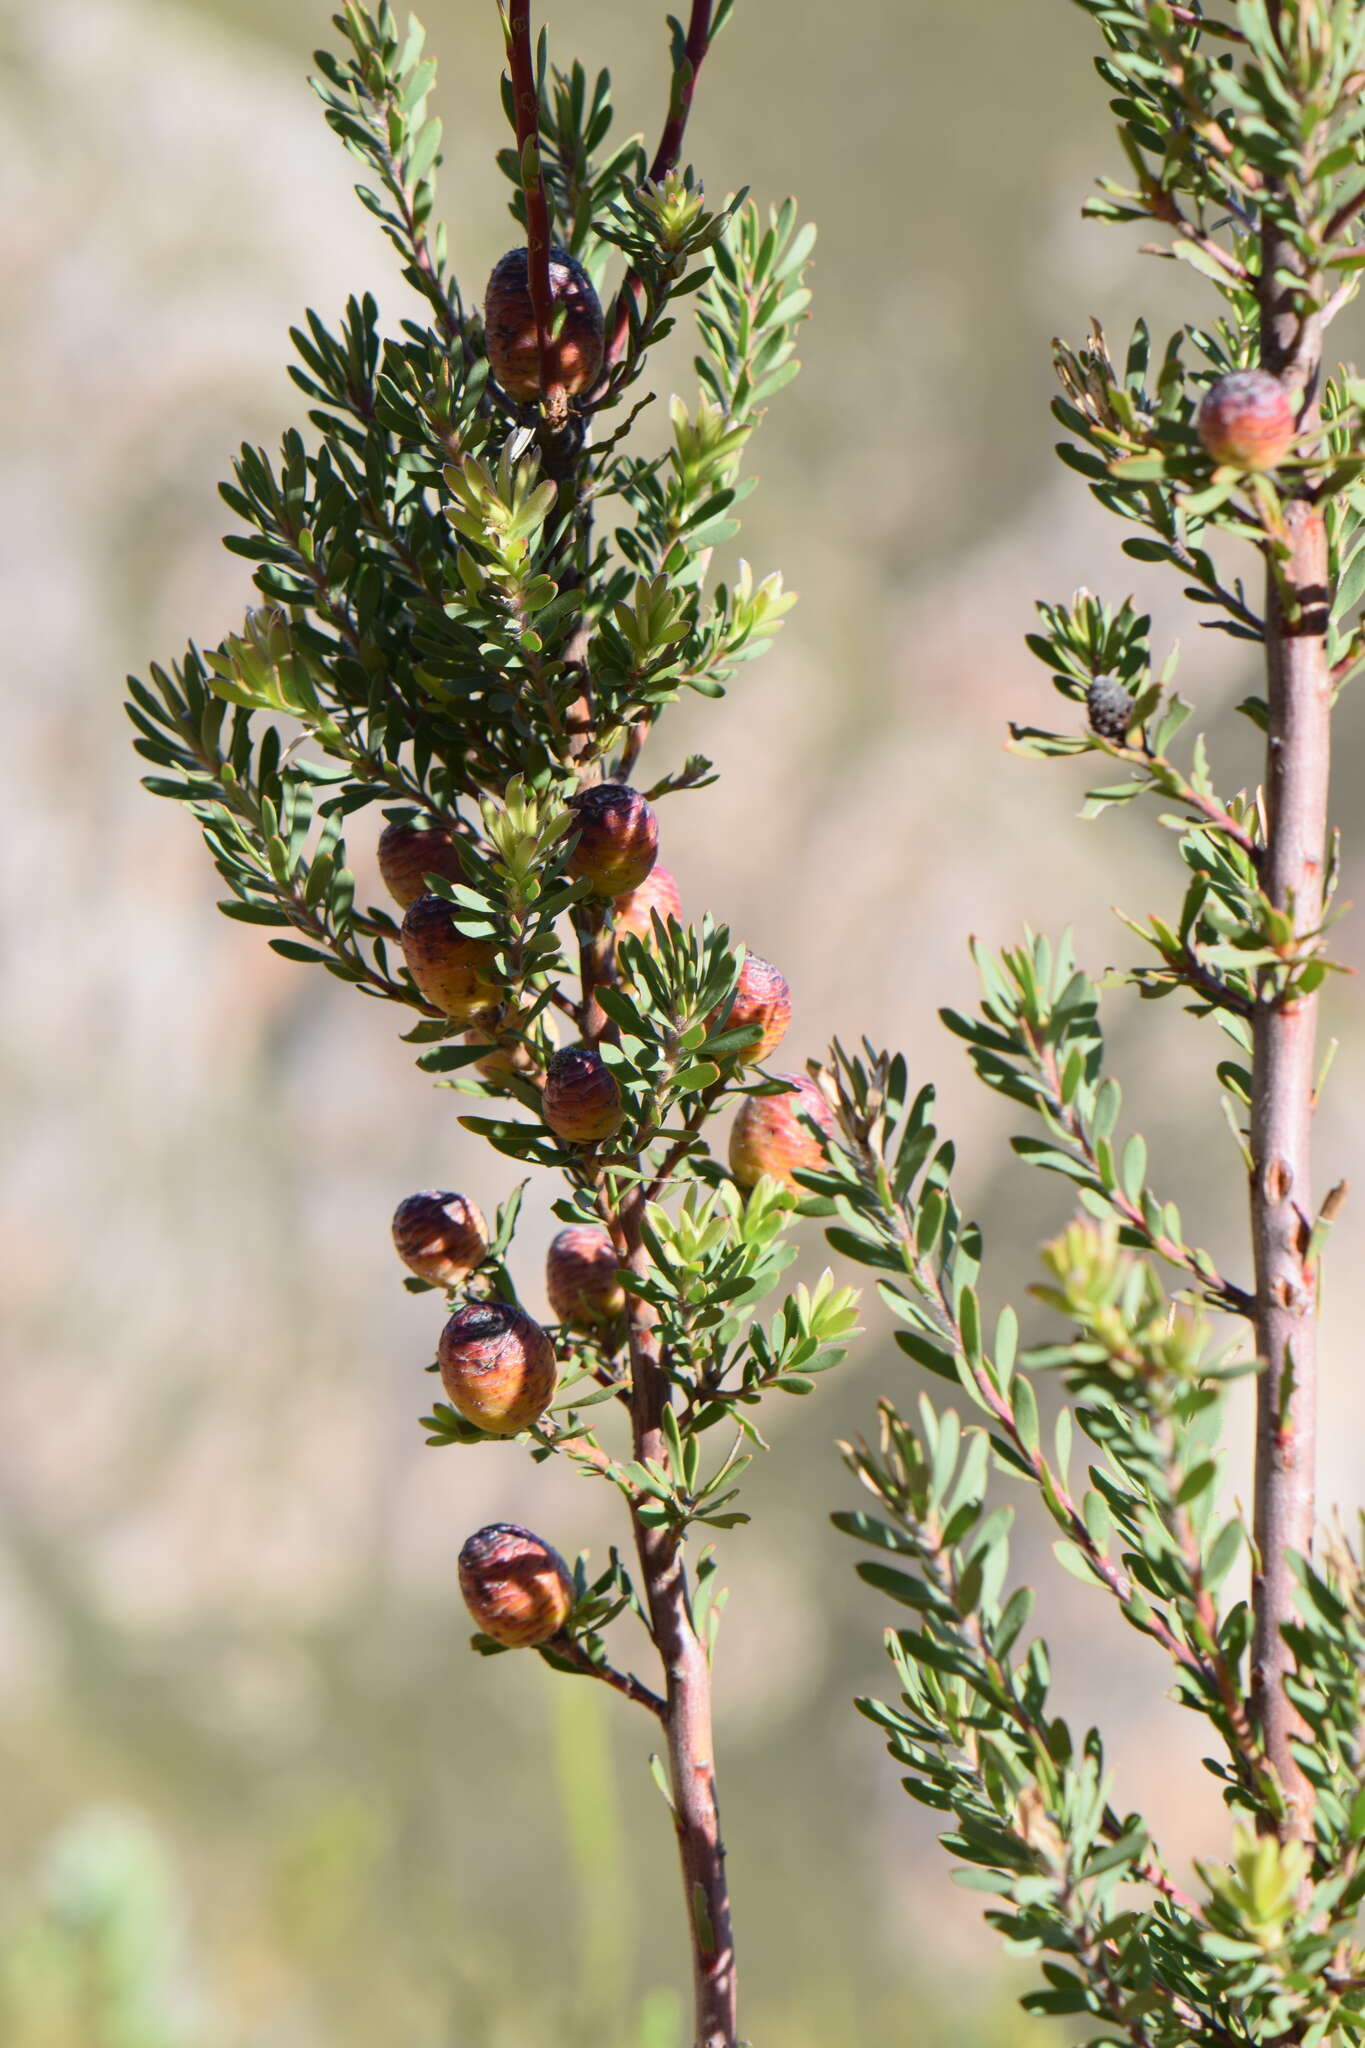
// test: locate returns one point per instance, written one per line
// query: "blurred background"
(254, 1789)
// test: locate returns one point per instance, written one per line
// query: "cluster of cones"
(499, 1367)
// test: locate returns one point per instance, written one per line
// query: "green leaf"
(1074, 1560)
(909, 1592)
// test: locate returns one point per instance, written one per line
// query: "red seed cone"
(441, 1237)
(658, 891)
(581, 1101)
(770, 1134)
(498, 1367)
(618, 837)
(517, 1588)
(1246, 420)
(510, 326)
(763, 996)
(452, 971)
(583, 1278)
(408, 853)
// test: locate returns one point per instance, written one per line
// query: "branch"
(1190, 17)
(448, 317)
(526, 105)
(624, 1682)
(1219, 1292)
(1299, 697)
(938, 1563)
(1171, 781)
(1343, 217)
(666, 158)
(687, 1720)
(698, 41)
(682, 1145)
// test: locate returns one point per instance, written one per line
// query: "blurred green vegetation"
(255, 1789)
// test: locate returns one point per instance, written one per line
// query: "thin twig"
(624, 1682)
(1190, 17)
(1220, 1292)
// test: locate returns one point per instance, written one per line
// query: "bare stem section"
(1284, 1033)
(687, 65)
(687, 1670)
(526, 99)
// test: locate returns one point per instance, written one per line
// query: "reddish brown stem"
(684, 84)
(521, 66)
(687, 1714)
(666, 157)
(1190, 17)
(1299, 693)
(597, 969)
(624, 1682)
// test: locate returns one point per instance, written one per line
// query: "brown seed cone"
(658, 891)
(1246, 420)
(408, 853)
(498, 1367)
(618, 837)
(583, 1278)
(580, 1100)
(439, 1236)
(517, 1588)
(770, 1136)
(453, 972)
(763, 996)
(510, 325)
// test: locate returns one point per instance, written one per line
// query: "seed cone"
(618, 837)
(439, 1236)
(762, 996)
(1246, 420)
(1110, 708)
(658, 891)
(498, 1367)
(770, 1134)
(452, 971)
(517, 1588)
(581, 1101)
(583, 1278)
(510, 325)
(408, 853)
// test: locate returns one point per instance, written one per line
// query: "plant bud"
(633, 911)
(762, 996)
(1110, 708)
(1246, 420)
(583, 1278)
(439, 1236)
(618, 837)
(770, 1134)
(517, 1588)
(498, 1367)
(510, 325)
(408, 853)
(581, 1101)
(452, 971)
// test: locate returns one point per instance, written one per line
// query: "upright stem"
(695, 47)
(666, 157)
(687, 1668)
(1284, 1027)
(526, 104)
